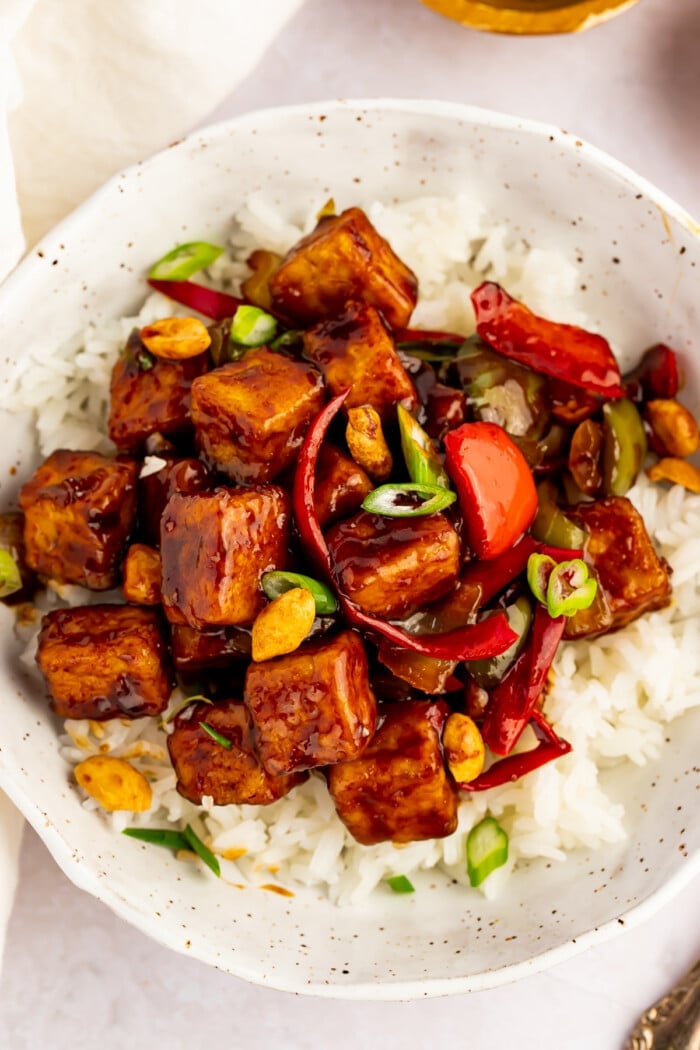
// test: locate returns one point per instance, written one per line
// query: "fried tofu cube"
(141, 574)
(203, 650)
(340, 485)
(392, 567)
(399, 789)
(314, 706)
(251, 415)
(79, 510)
(149, 394)
(343, 258)
(105, 661)
(155, 487)
(214, 549)
(355, 350)
(632, 576)
(230, 775)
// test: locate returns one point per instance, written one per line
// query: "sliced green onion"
(487, 849)
(10, 576)
(194, 698)
(184, 261)
(399, 501)
(158, 837)
(539, 569)
(400, 884)
(565, 587)
(570, 588)
(195, 843)
(422, 461)
(145, 360)
(276, 583)
(434, 353)
(251, 326)
(289, 340)
(224, 741)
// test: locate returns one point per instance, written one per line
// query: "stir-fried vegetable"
(487, 849)
(400, 884)
(278, 582)
(252, 326)
(420, 456)
(185, 261)
(624, 446)
(10, 576)
(408, 500)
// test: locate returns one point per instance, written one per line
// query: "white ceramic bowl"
(554, 190)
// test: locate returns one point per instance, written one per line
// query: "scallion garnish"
(252, 326)
(400, 884)
(202, 851)
(184, 261)
(564, 587)
(408, 501)
(224, 741)
(145, 360)
(195, 698)
(487, 849)
(421, 459)
(10, 576)
(158, 837)
(276, 583)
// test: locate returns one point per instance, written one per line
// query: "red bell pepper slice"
(513, 701)
(207, 301)
(496, 489)
(562, 351)
(490, 637)
(507, 770)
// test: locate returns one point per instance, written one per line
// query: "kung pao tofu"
(357, 546)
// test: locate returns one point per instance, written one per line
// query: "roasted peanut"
(142, 575)
(463, 747)
(674, 431)
(677, 471)
(114, 783)
(176, 338)
(366, 442)
(284, 624)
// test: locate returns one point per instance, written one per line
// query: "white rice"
(611, 698)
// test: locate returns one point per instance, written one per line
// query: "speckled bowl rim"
(61, 850)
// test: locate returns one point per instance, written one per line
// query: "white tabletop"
(76, 977)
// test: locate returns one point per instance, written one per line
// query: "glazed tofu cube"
(105, 661)
(155, 487)
(312, 707)
(79, 509)
(149, 394)
(202, 650)
(343, 258)
(399, 789)
(230, 775)
(141, 574)
(340, 485)
(355, 350)
(632, 577)
(214, 549)
(392, 567)
(251, 415)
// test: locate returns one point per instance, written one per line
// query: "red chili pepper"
(496, 489)
(207, 301)
(655, 376)
(507, 770)
(421, 335)
(494, 576)
(476, 641)
(562, 351)
(513, 701)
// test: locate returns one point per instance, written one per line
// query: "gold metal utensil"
(530, 16)
(673, 1023)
